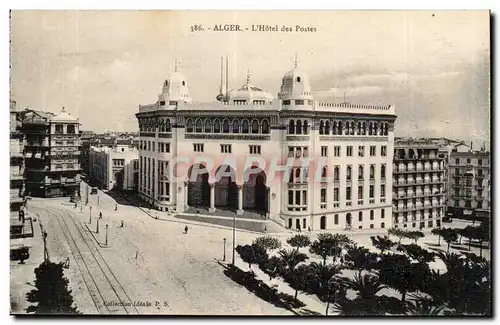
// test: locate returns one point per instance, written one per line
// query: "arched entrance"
(322, 222)
(119, 180)
(226, 190)
(255, 191)
(198, 186)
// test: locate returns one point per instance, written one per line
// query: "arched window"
(225, 126)
(306, 128)
(291, 127)
(265, 126)
(236, 126)
(298, 79)
(189, 125)
(360, 173)
(336, 173)
(324, 171)
(352, 128)
(297, 175)
(290, 180)
(364, 128)
(375, 129)
(216, 126)
(183, 83)
(382, 172)
(255, 126)
(244, 126)
(327, 127)
(322, 222)
(370, 129)
(321, 127)
(166, 82)
(359, 129)
(198, 127)
(168, 126)
(386, 129)
(348, 173)
(298, 127)
(372, 172)
(208, 126)
(339, 128)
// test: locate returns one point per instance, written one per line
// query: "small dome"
(64, 117)
(249, 93)
(175, 88)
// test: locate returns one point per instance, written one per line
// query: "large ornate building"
(353, 188)
(52, 150)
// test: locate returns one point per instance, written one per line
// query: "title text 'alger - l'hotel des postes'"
(221, 143)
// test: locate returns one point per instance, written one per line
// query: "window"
(361, 151)
(382, 190)
(324, 151)
(59, 143)
(336, 194)
(360, 192)
(255, 126)
(323, 222)
(382, 225)
(479, 162)
(323, 195)
(467, 203)
(299, 102)
(59, 129)
(360, 172)
(336, 173)
(225, 126)
(198, 147)
(225, 148)
(457, 171)
(371, 225)
(372, 191)
(372, 214)
(360, 216)
(348, 193)
(336, 219)
(382, 214)
(167, 147)
(216, 126)
(383, 151)
(372, 171)
(254, 149)
(304, 197)
(349, 151)
(290, 197)
(457, 161)
(286, 102)
(382, 171)
(265, 127)
(468, 160)
(373, 150)
(336, 151)
(348, 175)
(153, 146)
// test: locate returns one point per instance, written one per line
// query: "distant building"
(52, 166)
(115, 168)
(469, 180)
(419, 183)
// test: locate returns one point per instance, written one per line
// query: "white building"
(115, 167)
(355, 141)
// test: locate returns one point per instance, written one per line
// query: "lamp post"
(45, 254)
(106, 235)
(224, 256)
(234, 236)
(97, 199)
(87, 197)
(90, 216)
(97, 227)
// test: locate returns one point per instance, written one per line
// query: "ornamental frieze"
(352, 138)
(228, 137)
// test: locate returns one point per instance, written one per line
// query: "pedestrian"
(121, 225)
(76, 205)
(186, 229)
(116, 206)
(265, 229)
(81, 208)
(100, 214)
(309, 229)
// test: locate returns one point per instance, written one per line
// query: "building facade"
(115, 168)
(351, 188)
(52, 152)
(419, 183)
(469, 181)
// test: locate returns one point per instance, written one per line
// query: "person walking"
(121, 225)
(186, 229)
(100, 214)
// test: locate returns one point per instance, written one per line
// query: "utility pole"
(45, 253)
(224, 256)
(90, 216)
(87, 197)
(97, 199)
(234, 235)
(106, 235)
(97, 227)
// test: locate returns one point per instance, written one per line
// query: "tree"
(420, 305)
(438, 232)
(268, 242)
(51, 291)
(324, 247)
(415, 235)
(398, 273)
(400, 234)
(272, 267)
(252, 254)
(299, 241)
(366, 301)
(290, 259)
(325, 283)
(449, 235)
(299, 279)
(469, 233)
(360, 258)
(382, 243)
(417, 253)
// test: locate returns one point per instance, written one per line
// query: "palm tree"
(299, 241)
(268, 242)
(360, 258)
(290, 259)
(366, 286)
(323, 247)
(382, 243)
(398, 273)
(449, 235)
(419, 305)
(437, 232)
(325, 283)
(299, 279)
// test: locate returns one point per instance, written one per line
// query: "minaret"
(295, 65)
(248, 76)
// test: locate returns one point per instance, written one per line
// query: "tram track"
(106, 291)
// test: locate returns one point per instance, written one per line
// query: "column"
(186, 194)
(240, 200)
(212, 198)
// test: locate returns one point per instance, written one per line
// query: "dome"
(175, 89)
(249, 94)
(64, 117)
(295, 85)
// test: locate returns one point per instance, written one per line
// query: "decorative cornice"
(165, 135)
(352, 138)
(218, 136)
(297, 138)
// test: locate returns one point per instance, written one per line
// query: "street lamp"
(224, 256)
(106, 235)
(90, 216)
(97, 227)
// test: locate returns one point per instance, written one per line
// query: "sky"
(434, 67)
